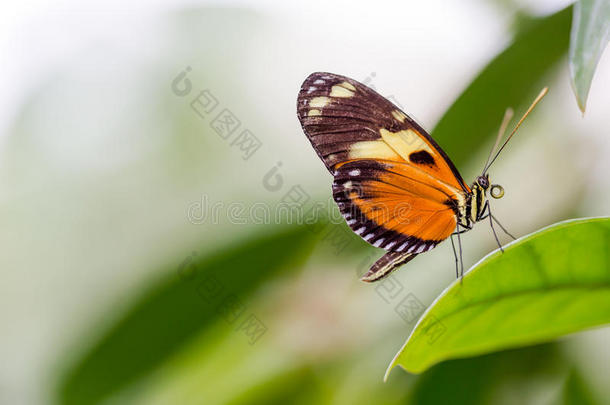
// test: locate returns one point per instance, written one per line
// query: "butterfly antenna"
(529, 110)
(508, 115)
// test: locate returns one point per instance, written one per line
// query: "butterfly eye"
(497, 191)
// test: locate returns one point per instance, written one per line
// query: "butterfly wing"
(346, 120)
(386, 264)
(394, 185)
(395, 207)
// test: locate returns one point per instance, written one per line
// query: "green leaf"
(511, 79)
(588, 39)
(547, 284)
(176, 309)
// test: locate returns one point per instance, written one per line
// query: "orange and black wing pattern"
(394, 185)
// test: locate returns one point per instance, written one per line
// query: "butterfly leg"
(457, 274)
(460, 248)
(491, 222)
(466, 229)
(501, 227)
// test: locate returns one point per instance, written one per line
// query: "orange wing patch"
(394, 206)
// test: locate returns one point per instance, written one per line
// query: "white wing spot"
(402, 247)
(390, 245)
(378, 242)
(352, 221)
(369, 237)
(355, 172)
(360, 230)
(311, 89)
(319, 81)
(421, 249)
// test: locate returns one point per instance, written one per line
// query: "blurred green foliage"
(177, 308)
(576, 391)
(589, 37)
(474, 380)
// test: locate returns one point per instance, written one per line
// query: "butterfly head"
(483, 182)
(484, 185)
(480, 187)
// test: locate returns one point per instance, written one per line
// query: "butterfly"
(394, 185)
